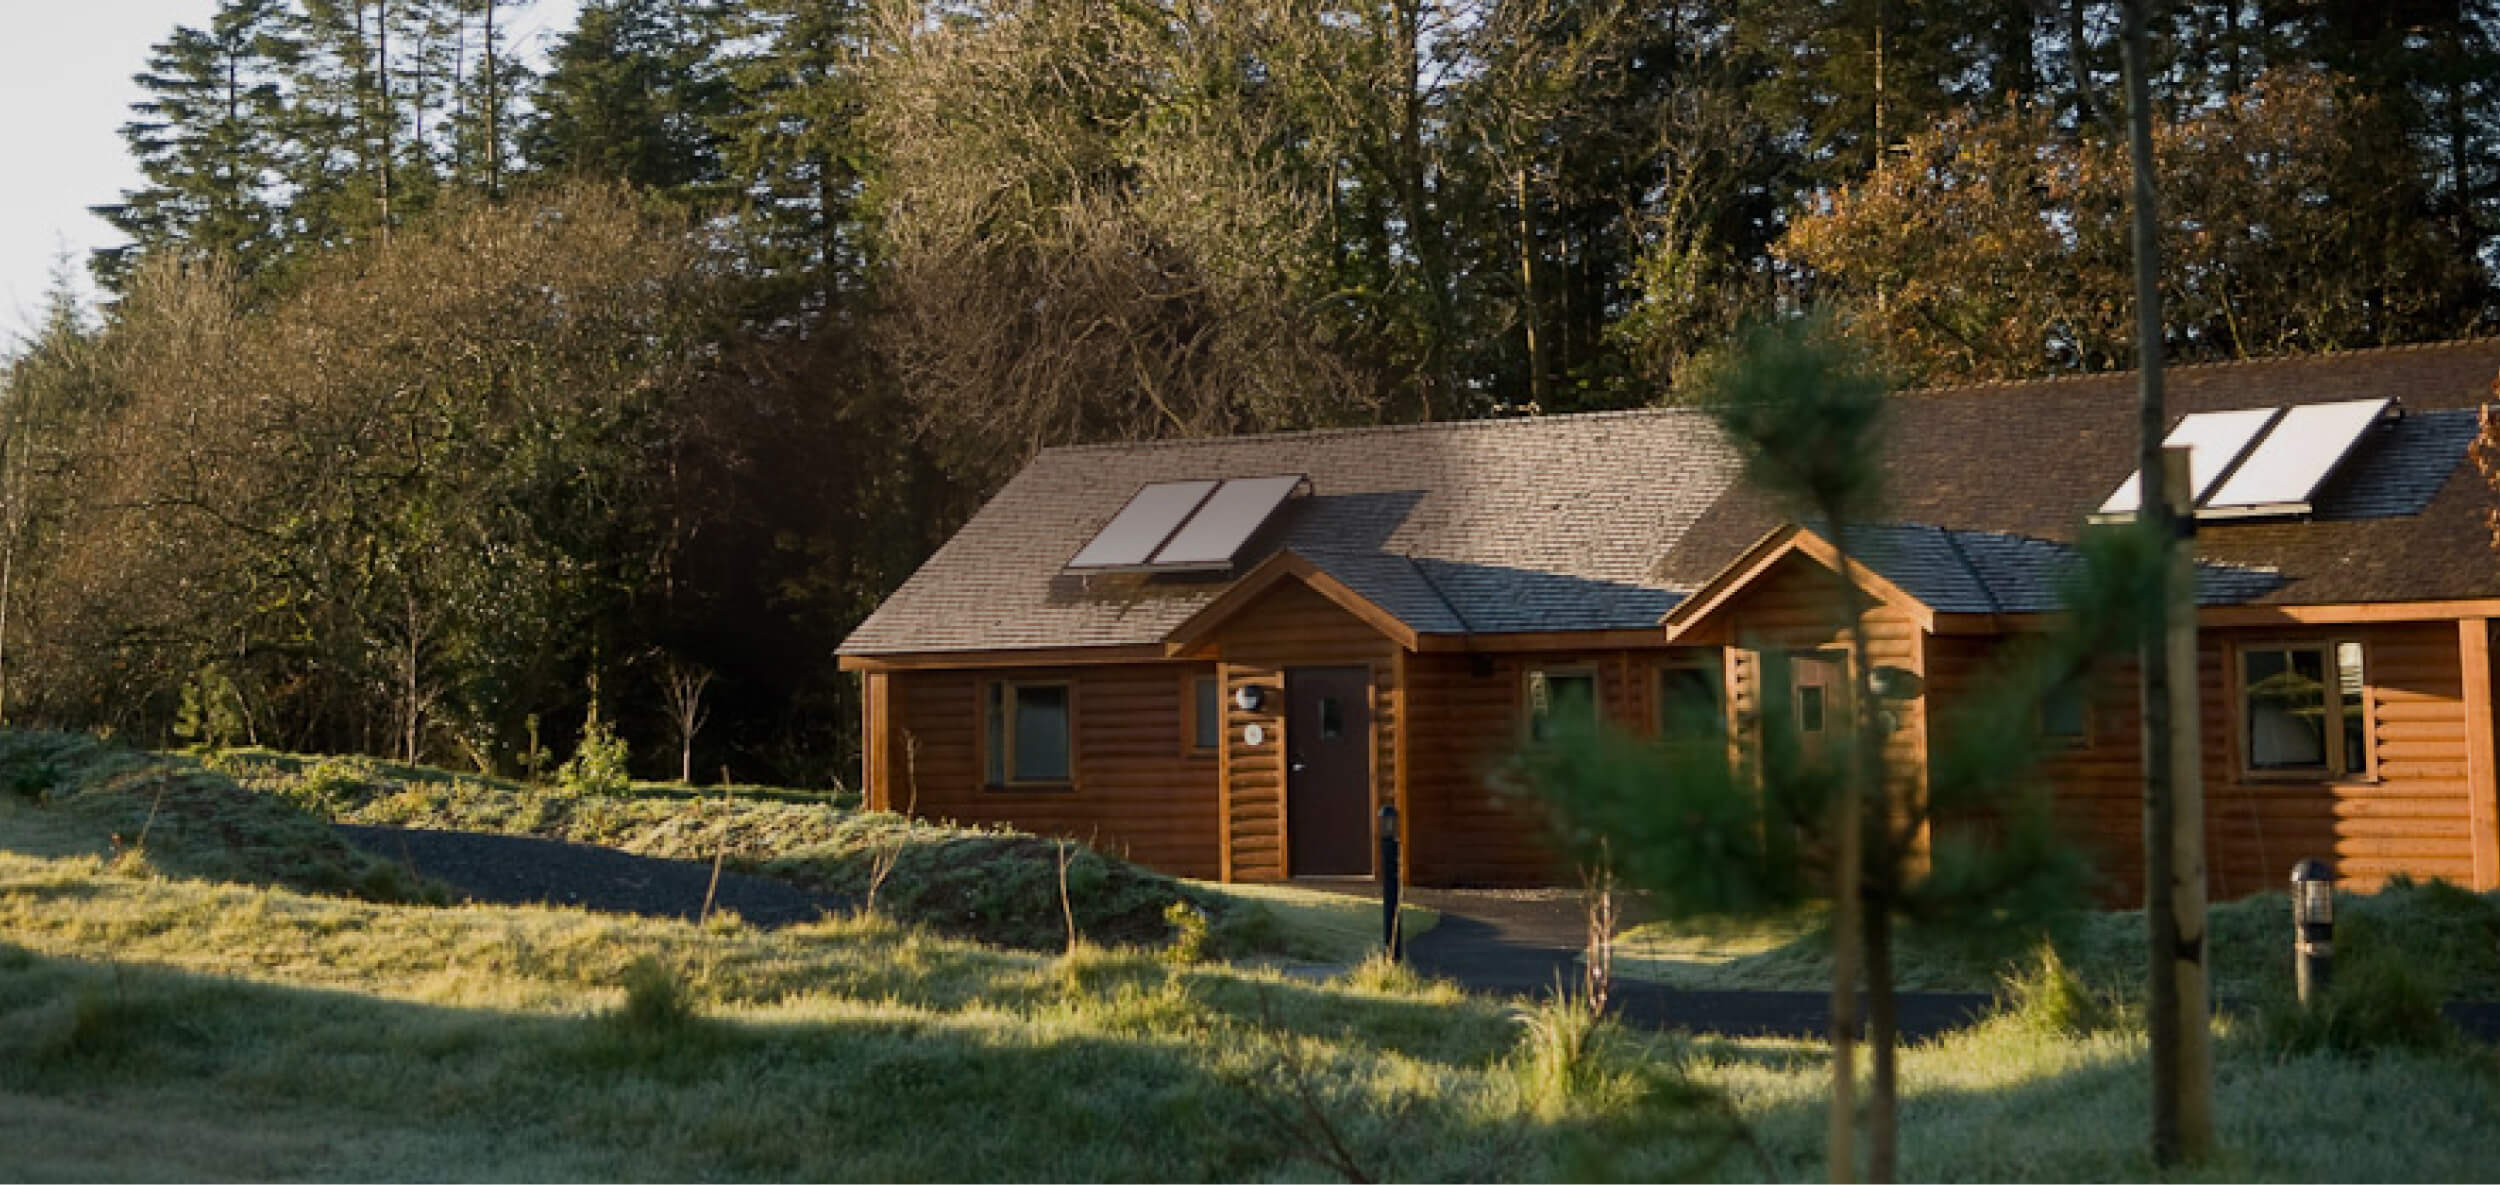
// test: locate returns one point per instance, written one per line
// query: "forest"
(447, 397)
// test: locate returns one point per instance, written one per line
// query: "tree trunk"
(494, 150)
(1883, 1138)
(382, 93)
(1848, 874)
(1527, 289)
(2079, 59)
(2182, 1083)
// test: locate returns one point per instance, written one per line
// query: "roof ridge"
(1627, 413)
(2287, 358)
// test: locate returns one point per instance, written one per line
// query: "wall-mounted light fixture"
(1249, 697)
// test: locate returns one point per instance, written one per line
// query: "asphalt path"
(522, 870)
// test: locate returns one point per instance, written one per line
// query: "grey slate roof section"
(1953, 571)
(1534, 524)
(2399, 468)
(1394, 583)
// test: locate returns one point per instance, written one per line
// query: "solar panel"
(1150, 518)
(2214, 439)
(2295, 459)
(1218, 530)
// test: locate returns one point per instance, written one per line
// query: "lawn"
(2448, 935)
(171, 1010)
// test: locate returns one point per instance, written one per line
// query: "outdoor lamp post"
(1389, 935)
(2313, 928)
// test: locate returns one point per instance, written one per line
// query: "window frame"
(2080, 685)
(1528, 677)
(1712, 664)
(2332, 771)
(999, 695)
(1193, 718)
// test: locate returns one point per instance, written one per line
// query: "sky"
(65, 68)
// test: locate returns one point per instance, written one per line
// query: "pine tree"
(635, 93)
(205, 140)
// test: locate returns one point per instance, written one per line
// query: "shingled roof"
(1604, 521)
(1479, 526)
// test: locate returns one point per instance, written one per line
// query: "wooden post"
(2186, 963)
(876, 756)
(2482, 790)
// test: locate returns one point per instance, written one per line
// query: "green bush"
(212, 713)
(656, 999)
(2046, 996)
(2381, 997)
(598, 765)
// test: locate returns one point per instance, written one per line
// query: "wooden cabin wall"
(2416, 818)
(1790, 610)
(1138, 793)
(1292, 626)
(1469, 713)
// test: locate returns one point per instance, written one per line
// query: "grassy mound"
(68, 794)
(995, 886)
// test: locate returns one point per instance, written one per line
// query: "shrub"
(1193, 935)
(2046, 996)
(1556, 1059)
(598, 765)
(212, 714)
(2379, 999)
(656, 999)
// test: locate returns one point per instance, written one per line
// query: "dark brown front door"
(1819, 688)
(1328, 770)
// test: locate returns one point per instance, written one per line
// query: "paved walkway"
(1526, 942)
(521, 870)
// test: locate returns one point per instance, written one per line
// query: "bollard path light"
(1389, 929)
(2313, 929)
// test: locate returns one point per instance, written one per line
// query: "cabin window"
(1206, 713)
(1692, 698)
(2305, 709)
(1561, 700)
(2065, 712)
(1028, 734)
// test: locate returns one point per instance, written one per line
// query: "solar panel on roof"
(1151, 517)
(1216, 533)
(2215, 440)
(2294, 459)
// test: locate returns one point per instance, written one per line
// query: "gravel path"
(519, 870)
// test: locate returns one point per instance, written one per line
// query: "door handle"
(1295, 767)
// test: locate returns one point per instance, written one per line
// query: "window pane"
(994, 718)
(1331, 718)
(1041, 734)
(2062, 714)
(2286, 709)
(1689, 705)
(2350, 684)
(1561, 702)
(1209, 716)
(1810, 708)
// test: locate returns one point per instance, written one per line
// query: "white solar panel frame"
(2215, 440)
(1225, 522)
(2305, 448)
(1144, 524)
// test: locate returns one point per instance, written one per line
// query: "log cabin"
(1222, 657)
